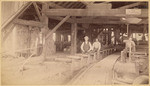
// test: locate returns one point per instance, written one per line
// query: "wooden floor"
(99, 74)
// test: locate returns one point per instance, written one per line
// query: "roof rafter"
(130, 5)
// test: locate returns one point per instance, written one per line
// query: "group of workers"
(87, 47)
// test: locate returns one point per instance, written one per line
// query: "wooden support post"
(128, 30)
(74, 38)
(121, 30)
(115, 35)
(29, 40)
(109, 36)
(144, 31)
(37, 10)
(44, 17)
(48, 47)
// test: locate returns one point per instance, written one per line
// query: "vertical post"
(115, 35)
(73, 38)
(14, 38)
(109, 35)
(128, 30)
(44, 20)
(144, 31)
(29, 40)
(44, 17)
(121, 30)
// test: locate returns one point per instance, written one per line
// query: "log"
(28, 22)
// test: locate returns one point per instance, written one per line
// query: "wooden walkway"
(99, 74)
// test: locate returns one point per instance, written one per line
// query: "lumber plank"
(92, 12)
(28, 22)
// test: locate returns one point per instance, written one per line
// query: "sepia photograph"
(75, 42)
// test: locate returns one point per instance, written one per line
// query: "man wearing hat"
(86, 46)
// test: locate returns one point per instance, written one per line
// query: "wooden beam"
(68, 6)
(87, 20)
(54, 5)
(144, 21)
(60, 18)
(44, 17)
(37, 10)
(74, 5)
(74, 38)
(130, 5)
(7, 33)
(97, 21)
(88, 3)
(17, 14)
(64, 4)
(82, 6)
(28, 22)
(128, 29)
(57, 26)
(92, 12)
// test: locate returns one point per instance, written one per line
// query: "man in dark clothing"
(86, 46)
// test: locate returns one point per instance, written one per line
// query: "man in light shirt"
(129, 47)
(96, 45)
(96, 49)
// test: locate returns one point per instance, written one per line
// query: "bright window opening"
(54, 36)
(62, 37)
(69, 38)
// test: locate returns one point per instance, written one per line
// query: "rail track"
(96, 73)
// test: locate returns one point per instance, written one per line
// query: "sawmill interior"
(74, 42)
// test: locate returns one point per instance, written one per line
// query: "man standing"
(129, 47)
(96, 48)
(86, 45)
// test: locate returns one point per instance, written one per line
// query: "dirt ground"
(34, 73)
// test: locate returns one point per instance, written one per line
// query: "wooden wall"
(17, 39)
(8, 8)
